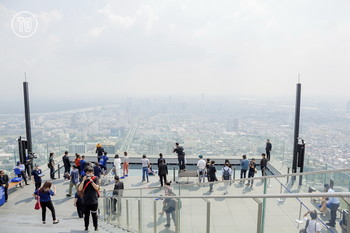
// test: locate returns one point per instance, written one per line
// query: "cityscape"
(213, 127)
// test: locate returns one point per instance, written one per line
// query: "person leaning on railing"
(332, 204)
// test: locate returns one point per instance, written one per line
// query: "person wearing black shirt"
(117, 191)
(251, 172)
(179, 150)
(4, 182)
(51, 165)
(268, 149)
(162, 172)
(90, 186)
(99, 151)
(160, 159)
(263, 164)
(212, 175)
(66, 162)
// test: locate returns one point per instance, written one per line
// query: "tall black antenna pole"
(27, 114)
(296, 127)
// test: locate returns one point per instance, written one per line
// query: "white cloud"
(95, 31)
(49, 17)
(120, 21)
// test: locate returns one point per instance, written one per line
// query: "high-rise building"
(77, 148)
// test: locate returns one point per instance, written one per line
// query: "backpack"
(226, 174)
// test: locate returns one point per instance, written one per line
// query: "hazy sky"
(85, 49)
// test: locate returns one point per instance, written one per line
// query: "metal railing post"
(140, 215)
(280, 199)
(208, 215)
(177, 218)
(288, 169)
(59, 173)
(155, 216)
(300, 221)
(234, 174)
(127, 214)
(174, 174)
(259, 225)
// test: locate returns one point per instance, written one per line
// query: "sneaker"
(122, 177)
(44, 222)
(330, 224)
(126, 175)
(167, 225)
(68, 195)
(86, 229)
(96, 228)
(57, 221)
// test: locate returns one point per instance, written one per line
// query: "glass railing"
(271, 204)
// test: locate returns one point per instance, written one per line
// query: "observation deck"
(274, 204)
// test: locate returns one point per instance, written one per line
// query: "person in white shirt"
(201, 165)
(332, 204)
(145, 165)
(312, 226)
(117, 162)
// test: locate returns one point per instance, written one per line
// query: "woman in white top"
(117, 162)
(145, 165)
(312, 226)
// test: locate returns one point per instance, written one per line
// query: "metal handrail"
(255, 178)
(246, 196)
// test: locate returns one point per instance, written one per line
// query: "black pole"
(27, 116)
(296, 130)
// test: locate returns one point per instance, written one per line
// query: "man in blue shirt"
(36, 177)
(103, 162)
(82, 163)
(74, 180)
(244, 169)
(332, 204)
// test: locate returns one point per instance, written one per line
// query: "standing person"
(51, 165)
(117, 162)
(201, 165)
(78, 202)
(4, 182)
(125, 165)
(244, 167)
(117, 192)
(90, 186)
(180, 156)
(312, 226)
(45, 194)
(29, 164)
(263, 164)
(66, 163)
(160, 159)
(332, 204)
(36, 177)
(97, 170)
(99, 151)
(22, 174)
(103, 163)
(145, 165)
(226, 175)
(268, 149)
(83, 163)
(212, 175)
(169, 206)
(162, 172)
(207, 168)
(74, 180)
(252, 171)
(77, 161)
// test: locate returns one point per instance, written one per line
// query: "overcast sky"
(85, 49)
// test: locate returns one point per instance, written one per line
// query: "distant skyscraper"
(348, 107)
(77, 148)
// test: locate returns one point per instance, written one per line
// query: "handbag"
(37, 204)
